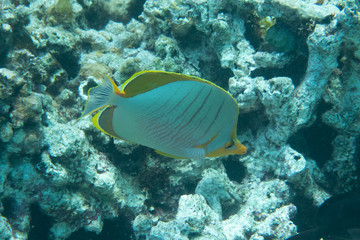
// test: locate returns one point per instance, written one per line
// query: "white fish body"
(178, 115)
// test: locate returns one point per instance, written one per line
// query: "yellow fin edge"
(168, 155)
(115, 87)
(128, 89)
(223, 151)
(116, 91)
(95, 121)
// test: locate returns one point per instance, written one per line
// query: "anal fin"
(195, 153)
(103, 121)
(167, 155)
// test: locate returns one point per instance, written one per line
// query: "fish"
(337, 218)
(178, 115)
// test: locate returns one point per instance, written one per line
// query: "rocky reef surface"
(293, 67)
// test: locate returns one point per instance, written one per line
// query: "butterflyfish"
(179, 116)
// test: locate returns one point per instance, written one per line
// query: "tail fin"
(100, 96)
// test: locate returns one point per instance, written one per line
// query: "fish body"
(178, 115)
(337, 216)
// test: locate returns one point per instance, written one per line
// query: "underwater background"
(292, 66)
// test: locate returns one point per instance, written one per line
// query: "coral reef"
(292, 66)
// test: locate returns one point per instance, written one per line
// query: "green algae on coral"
(62, 11)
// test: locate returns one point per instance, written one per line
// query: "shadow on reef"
(209, 63)
(357, 157)
(213, 72)
(295, 71)
(256, 121)
(315, 141)
(7, 206)
(99, 14)
(305, 213)
(39, 225)
(162, 196)
(117, 228)
(69, 61)
(235, 170)
(277, 36)
(336, 218)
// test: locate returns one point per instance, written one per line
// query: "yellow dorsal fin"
(147, 80)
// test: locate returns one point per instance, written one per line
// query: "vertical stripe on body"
(160, 125)
(183, 132)
(176, 116)
(149, 109)
(179, 123)
(135, 116)
(165, 126)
